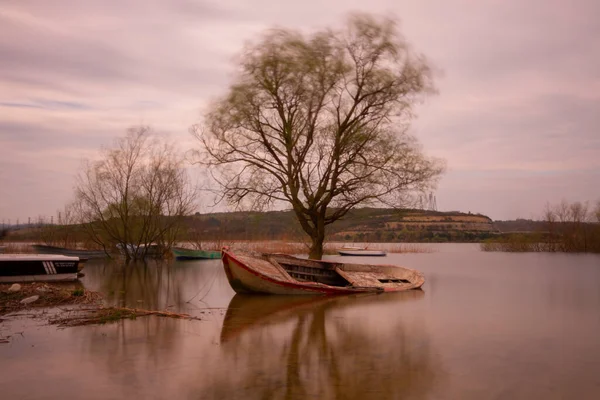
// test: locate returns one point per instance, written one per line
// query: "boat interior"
(338, 274)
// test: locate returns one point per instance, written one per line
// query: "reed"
(277, 246)
(568, 241)
(17, 248)
(409, 248)
(272, 246)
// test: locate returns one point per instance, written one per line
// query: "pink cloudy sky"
(517, 116)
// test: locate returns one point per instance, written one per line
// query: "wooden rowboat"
(38, 267)
(283, 274)
(181, 253)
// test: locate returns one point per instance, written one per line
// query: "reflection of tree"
(323, 348)
(152, 285)
(134, 352)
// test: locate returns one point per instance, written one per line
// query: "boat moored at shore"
(360, 251)
(38, 267)
(45, 249)
(182, 253)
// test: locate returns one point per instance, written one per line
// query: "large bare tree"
(320, 122)
(136, 195)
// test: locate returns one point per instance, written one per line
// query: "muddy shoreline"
(64, 305)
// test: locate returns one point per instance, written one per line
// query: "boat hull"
(44, 249)
(189, 254)
(264, 277)
(41, 267)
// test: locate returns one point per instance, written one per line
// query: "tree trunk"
(316, 248)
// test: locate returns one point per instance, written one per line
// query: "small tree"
(320, 122)
(136, 195)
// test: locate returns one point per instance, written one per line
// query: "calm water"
(486, 326)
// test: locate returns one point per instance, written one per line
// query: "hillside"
(360, 225)
(363, 225)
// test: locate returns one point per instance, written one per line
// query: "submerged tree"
(573, 227)
(320, 122)
(136, 195)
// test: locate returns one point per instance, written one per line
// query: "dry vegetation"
(102, 315)
(443, 218)
(276, 246)
(407, 248)
(569, 227)
(517, 243)
(50, 295)
(87, 306)
(16, 248)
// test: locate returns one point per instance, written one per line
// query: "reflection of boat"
(38, 267)
(44, 249)
(359, 251)
(327, 347)
(246, 311)
(283, 274)
(181, 253)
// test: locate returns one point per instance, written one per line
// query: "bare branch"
(136, 195)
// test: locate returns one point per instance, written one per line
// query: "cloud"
(516, 117)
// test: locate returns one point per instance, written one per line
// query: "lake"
(485, 326)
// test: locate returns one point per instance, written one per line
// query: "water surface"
(485, 326)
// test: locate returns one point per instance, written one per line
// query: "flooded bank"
(486, 325)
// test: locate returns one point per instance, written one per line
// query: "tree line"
(567, 227)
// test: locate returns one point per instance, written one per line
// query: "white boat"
(360, 251)
(38, 267)
(151, 250)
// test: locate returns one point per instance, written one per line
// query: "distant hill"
(359, 225)
(363, 225)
